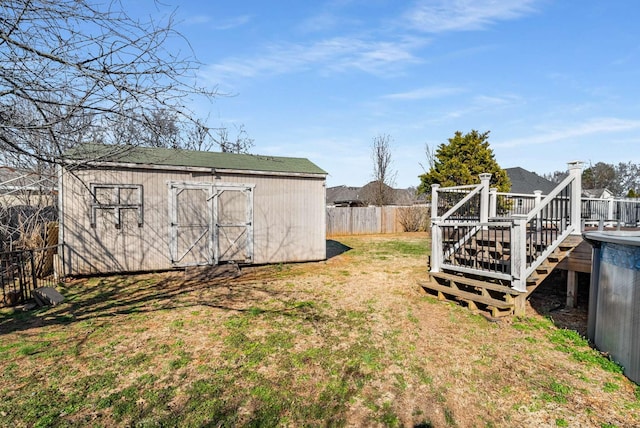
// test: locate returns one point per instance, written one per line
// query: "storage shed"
(127, 209)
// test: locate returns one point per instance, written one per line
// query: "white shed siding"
(289, 219)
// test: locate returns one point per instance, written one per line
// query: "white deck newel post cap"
(575, 165)
(485, 176)
(434, 200)
(485, 209)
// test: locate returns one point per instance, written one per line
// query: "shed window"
(115, 198)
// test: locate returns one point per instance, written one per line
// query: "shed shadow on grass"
(335, 248)
(105, 298)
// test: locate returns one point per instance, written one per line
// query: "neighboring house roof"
(523, 181)
(345, 195)
(190, 158)
(403, 197)
(17, 179)
(597, 193)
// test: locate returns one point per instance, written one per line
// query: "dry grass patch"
(352, 341)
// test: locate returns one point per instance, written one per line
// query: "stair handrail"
(519, 267)
(551, 196)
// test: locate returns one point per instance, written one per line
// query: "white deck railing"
(537, 234)
(472, 206)
(611, 211)
(500, 240)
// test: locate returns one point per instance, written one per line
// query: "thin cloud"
(425, 93)
(436, 16)
(224, 24)
(325, 22)
(232, 23)
(486, 101)
(198, 19)
(591, 127)
(336, 54)
(479, 103)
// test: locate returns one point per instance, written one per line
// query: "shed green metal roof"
(190, 158)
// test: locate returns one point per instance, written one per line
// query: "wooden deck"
(480, 258)
(496, 296)
(579, 259)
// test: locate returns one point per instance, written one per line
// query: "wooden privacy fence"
(370, 220)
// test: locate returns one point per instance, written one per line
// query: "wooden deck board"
(465, 295)
(578, 260)
(499, 297)
(474, 282)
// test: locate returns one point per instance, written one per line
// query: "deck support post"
(575, 171)
(572, 289)
(520, 305)
(519, 253)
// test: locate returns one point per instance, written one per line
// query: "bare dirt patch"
(350, 341)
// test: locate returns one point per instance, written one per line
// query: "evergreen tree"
(461, 161)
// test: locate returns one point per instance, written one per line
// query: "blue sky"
(553, 80)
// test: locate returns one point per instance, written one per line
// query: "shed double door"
(210, 223)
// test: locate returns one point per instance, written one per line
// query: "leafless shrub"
(414, 218)
(27, 227)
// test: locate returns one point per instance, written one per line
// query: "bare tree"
(200, 137)
(555, 176)
(68, 67)
(430, 155)
(240, 144)
(156, 127)
(383, 176)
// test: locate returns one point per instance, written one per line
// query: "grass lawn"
(353, 341)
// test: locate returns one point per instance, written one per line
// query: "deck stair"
(494, 295)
